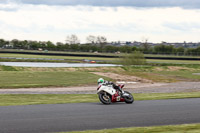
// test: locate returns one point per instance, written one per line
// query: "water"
(41, 64)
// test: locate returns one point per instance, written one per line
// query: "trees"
(164, 49)
(3, 42)
(50, 45)
(91, 39)
(74, 47)
(125, 49)
(180, 51)
(145, 46)
(72, 39)
(110, 49)
(101, 40)
(15, 43)
(99, 43)
(34, 45)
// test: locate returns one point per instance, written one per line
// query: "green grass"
(8, 68)
(173, 61)
(29, 99)
(68, 58)
(177, 56)
(185, 128)
(159, 96)
(61, 52)
(111, 54)
(166, 74)
(185, 75)
(55, 57)
(21, 79)
(16, 77)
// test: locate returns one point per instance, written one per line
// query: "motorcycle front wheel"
(105, 98)
(129, 99)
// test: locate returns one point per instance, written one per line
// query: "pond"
(42, 64)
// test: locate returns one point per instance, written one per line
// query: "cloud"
(44, 22)
(8, 7)
(114, 3)
(183, 26)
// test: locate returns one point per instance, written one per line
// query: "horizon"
(97, 43)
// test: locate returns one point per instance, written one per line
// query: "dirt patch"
(101, 69)
(173, 68)
(88, 69)
(119, 77)
(176, 68)
(158, 69)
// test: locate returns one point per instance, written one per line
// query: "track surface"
(84, 116)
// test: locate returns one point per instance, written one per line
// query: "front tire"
(129, 99)
(105, 98)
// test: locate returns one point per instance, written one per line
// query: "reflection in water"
(40, 64)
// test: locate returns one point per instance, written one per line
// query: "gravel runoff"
(134, 88)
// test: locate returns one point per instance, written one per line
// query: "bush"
(135, 58)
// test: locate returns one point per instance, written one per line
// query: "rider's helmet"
(100, 80)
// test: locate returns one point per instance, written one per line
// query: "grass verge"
(55, 57)
(16, 77)
(173, 61)
(30, 99)
(185, 128)
(106, 60)
(165, 74)
(27, 79)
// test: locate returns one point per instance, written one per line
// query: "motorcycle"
(107, 94)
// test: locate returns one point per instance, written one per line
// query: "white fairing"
(107, 88)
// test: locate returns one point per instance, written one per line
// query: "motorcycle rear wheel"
(105, 98)
(129, 99)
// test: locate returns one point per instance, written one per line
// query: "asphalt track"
(84, 116)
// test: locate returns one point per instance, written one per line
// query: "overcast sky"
(118, 20)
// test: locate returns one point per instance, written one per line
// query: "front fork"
(123, 94)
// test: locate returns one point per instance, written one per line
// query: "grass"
(8, 68)
(113, 60)
(29, 99)
(61, 52)
(177, 56)
(111, 54)
(185, 75)
(159, 96)
(17, 77)
(173, 61)
(185, 128)
(55, 57)
(165, 74)
(26, 79)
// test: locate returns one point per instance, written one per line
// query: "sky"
(117, 20)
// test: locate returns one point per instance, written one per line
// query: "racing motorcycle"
(107, 94)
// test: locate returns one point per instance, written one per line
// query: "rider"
(102, 81)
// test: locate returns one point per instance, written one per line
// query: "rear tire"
(129, 99)
(104, 97)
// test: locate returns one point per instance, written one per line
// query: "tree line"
(96, 44)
